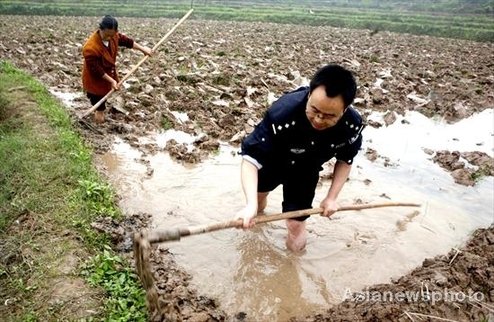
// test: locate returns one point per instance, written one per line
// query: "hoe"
(161, 311)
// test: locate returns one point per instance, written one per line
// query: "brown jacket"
(98, 60)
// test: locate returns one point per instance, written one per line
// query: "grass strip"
(50, 193)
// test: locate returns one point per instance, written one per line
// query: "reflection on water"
(251, 272)
(67, 98)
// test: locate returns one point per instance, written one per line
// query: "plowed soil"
(224, 75)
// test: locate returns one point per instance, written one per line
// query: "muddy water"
(251, 271)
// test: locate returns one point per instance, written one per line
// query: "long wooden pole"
(95, 106)
(159, 236)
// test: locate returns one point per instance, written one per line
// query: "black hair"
(337, 80)
(108, 22)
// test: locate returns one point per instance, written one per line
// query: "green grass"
(124, 293)
(50, 193)
(166, 123)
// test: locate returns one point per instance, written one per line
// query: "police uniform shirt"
(286, 141)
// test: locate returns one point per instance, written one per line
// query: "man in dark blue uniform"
(301, 131)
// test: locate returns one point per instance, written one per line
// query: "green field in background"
(478, 27)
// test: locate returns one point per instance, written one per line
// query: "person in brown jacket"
(99, 73)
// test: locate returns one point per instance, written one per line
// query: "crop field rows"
(466, 26)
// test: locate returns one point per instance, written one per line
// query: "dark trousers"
(299, 187)
(95, 99)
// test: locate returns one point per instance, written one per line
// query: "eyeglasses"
(320, 115)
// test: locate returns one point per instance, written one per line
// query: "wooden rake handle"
(159, 236)
(95, 106)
